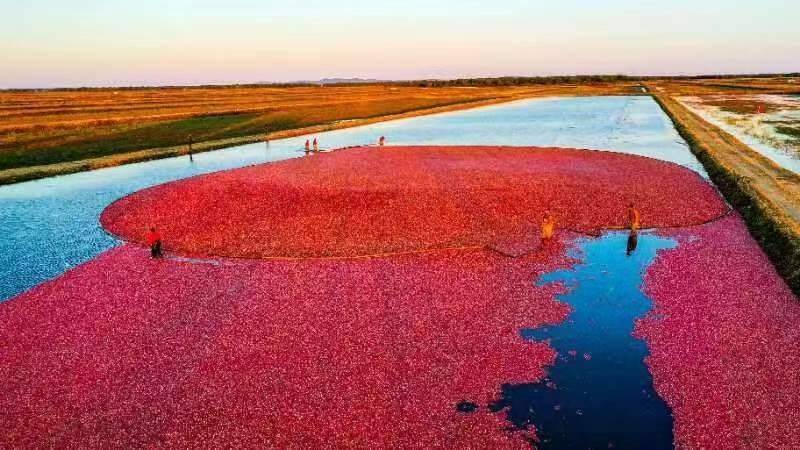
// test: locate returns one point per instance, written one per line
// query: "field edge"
(774, 230)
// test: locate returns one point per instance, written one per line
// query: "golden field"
(731, 86)
(46, 128)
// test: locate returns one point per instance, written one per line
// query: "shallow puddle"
(599, 393)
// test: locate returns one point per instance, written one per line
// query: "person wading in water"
(308, 146)
(316, 146)
(154, 241)
(381, 141)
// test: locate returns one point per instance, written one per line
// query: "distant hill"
(348, 80)
(324, 81)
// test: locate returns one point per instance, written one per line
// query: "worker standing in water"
(153, 239)
(316, 146)
(634, 218)
(381, 141)
(308, 146)
(191, 158)
(548, 226)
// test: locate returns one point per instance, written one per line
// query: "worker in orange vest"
(548, 226)
(634, 218)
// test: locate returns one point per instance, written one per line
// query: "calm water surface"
(599, 394)
(50, 225)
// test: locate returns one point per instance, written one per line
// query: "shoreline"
(22, 174)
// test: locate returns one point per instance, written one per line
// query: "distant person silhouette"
(153, 239)
(382, 141)
(316, 145)
(308, 146)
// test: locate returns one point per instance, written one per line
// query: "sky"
(70, 43)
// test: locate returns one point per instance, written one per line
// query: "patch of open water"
(599, 393)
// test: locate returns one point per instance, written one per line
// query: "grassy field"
(45, 128)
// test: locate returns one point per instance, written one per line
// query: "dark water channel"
(599, 393)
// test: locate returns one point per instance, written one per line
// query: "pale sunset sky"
(63, 43)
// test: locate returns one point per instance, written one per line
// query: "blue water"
(599, 393)
(50, 225)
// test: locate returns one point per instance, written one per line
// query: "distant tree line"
(574, 79)
(462, 82)
(520, 81)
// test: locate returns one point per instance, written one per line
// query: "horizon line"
(367, 81)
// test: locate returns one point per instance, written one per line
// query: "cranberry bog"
(51, 225)
(362, 202)
(400, 297)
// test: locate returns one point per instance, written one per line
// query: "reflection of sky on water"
(599, 393)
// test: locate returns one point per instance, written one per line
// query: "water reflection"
(633, 242)
(599, 393)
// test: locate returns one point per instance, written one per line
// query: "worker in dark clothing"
(154, 241)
